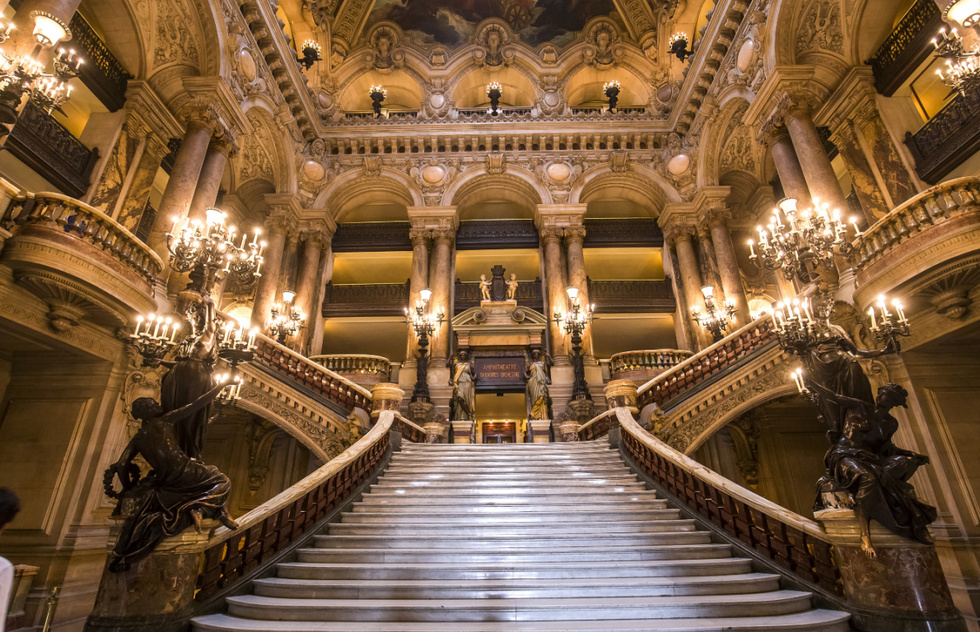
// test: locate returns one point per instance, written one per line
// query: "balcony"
(642, 366)
(364, 370)
(84, 264)
(933, 229)
(101, 73)
(908, 45)
(947, 139)
(379, 299)
(47, 147)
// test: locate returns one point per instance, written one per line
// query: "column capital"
(559, 215)
(317, 231)
(575, 234)
(218, 96)
(434, 218)
(712, 205)
(226, 144)
(787, 91)
(284, 212)
(419, 236)
(551, 233)
(678, 233)
(678, 220)
(156, 147)
(142, 100)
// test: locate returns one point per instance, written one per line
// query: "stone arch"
(353, 189)
(516, 186)
(730, 145)
(262, 153)
(121, 25)
(185, 41)
(810, 32)
(607, 185)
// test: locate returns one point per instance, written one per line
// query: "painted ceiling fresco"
(452, 22)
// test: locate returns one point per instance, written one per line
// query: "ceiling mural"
(453, 22)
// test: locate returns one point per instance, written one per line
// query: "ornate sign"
(507, 371)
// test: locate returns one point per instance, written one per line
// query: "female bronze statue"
(177, 493)
(464, 388)
(537, 385)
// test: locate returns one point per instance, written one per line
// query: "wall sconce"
(494, 91)
(311, 54)
(611, 90)
(678, 46)
(378, 95)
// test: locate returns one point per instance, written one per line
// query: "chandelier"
(887, 327)
(494, 92)
(378, 94)
(800, 324)
(678, 46)
(208, 250)
(813, 236)
(152, 339)
(26, 75)
(716, 318)
(285, 319)
(611, 90)
(962, 66)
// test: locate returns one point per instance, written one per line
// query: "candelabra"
(678, 46)
(285, 319)
(236, 342)
(962, 66)
(574, 322)
(208, 250)
(311, 54)
(378, 95)
(494, 92)
(424, 324)
(716, 318)
(887, 327)
(611, 90)
(154, 338)
(25, 75)
(812, 236)
(230, 394)
(800, 324)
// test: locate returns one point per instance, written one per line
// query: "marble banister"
(360, 368)
(646, 364)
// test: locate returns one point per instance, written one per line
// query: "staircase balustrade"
(269, 529)
(676, 383)
(410, 431)
(370, 368)
(645, 364)
(795, 543)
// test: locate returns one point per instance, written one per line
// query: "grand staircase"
(517, 537)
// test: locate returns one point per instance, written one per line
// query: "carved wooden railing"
(410, 431)
(797, 544)
(632, 296)
(49, 148)
(375, 299)
(947, 139)
(101, 73)
(670, 387)
(374, 368)
(597, 426)
(648, 360)
(932, 207)
(908, 45)
(300, 371)
(272, 527)
(81, 221)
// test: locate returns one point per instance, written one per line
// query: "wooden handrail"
(275, 524)
(409, 429)
(796, 543)
(596, 427)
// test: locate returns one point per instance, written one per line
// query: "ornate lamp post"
(678, 46)
(806, 239)
(494, 92)
(424, 324)
(311, 54)
(611, 90)
(25, 75)
(715, 319)
(574, 322)
(378, 95)
(285, 319)
(208, 251)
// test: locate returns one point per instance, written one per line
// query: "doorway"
(499, 432)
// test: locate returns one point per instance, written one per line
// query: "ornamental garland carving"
(820, 28)
(174, 42)
(254, 160)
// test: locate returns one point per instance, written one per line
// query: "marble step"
(506, 518)
(720, 564)
(560, 478)
(611, 458)
(557, 501)
(809, 621)
(512, 544)
(568, 509)
(767, 604)
(448, 487)
(583, 494)
(515, 589)
(432, 530)
(449, 555)
(523, 448)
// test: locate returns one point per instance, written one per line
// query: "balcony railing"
(362, 369)
(101, 73)
(641, 366)
(632, 296)
(528, 294)
(48, 148)
(947, 139)
(908, 45)
(378, 299)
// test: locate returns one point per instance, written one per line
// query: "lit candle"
(173, 332)
(156, 329)
(798, 378)
(251, 337)
(751, 249)
(139, 323)
(901, 313)
(885, 314)
(871, 313)
(166, 326)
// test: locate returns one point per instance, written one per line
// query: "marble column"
(728, 270)
(574, 237)
(131, 206)
(555, 283)
(691, 282)
(900, 180)
(867, 186)
(290, 257)
(682, 332)
(788, 166)
(266, 295)
(820, 177)
(309, 269)
(177, 197)
(440, 281)
(208, 184)
(315, 343)
(421, 238)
